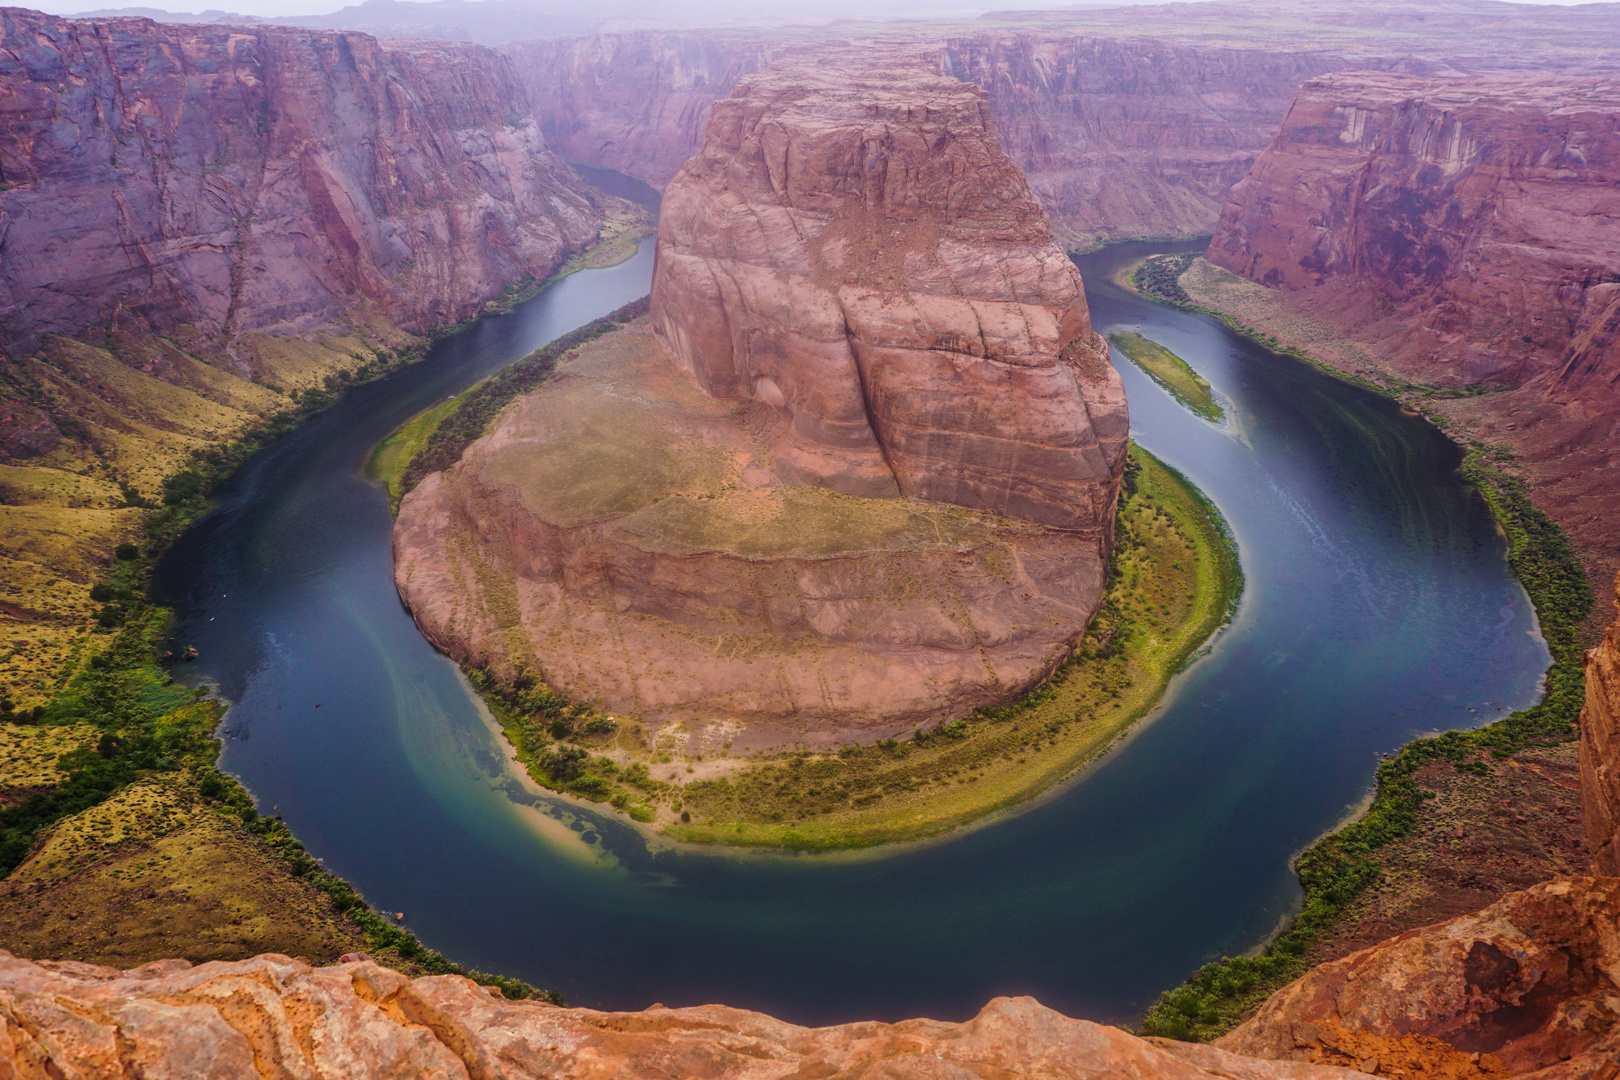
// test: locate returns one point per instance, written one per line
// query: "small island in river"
(854, 479)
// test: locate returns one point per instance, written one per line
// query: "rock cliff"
(852, 248)
(1117, 137)
(859, 477)
(212, 181)
(1600, 750)
(1472, 222)
(1528, 987)
(276, 1017)
(1462, 233)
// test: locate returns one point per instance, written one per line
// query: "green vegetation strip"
(150, 726)
(1172, 581)
(450, 435)
(1171, 372)
(1340, 867)
(1158, 277)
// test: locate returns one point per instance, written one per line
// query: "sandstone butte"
(857, 475)
(1463, 232)
(216, 182)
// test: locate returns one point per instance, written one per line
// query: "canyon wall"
(1600, 750)
(1471, 225)
(1117, 137)
(212, 181)
(1462, 233)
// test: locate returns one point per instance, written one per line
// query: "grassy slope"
(1174, 580)
(1171, 372)
(120, 841)
(124, 434)
(1343, 866)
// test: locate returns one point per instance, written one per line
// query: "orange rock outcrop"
(1600, 750)
(1528, 987)
(275, 1017)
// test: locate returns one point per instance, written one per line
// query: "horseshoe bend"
(856, 472)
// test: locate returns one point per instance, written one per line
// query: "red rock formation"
(1118, 138)
(636, 102)
(1533, 981)
(272, 1016)
(862, 297)
(627, 538)
(1460, 232)
(220, 180)
(1471, 222)
(852, 248)
(1600, 751)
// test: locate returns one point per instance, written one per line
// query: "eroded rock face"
(272, 1016)
(630, 540)
(852, 248)
(1117, 138)
(1466, 225)
(859, 477)
(1532, 983)
(223, 180)
(1600, 751)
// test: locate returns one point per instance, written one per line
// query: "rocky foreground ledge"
(275, 1017)
(1528, 987)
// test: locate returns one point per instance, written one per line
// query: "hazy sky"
(654, 8)
(271, 8)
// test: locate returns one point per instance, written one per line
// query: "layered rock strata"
(1471, 222)
(860, 475)
(214, 181)
(273, 1016)
(1458, 232)
(1528, 987)
(1118, 138)
(1600, 750)
(629, 539)
(853, 249)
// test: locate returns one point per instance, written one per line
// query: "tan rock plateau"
(861, 475)
(276, 1017)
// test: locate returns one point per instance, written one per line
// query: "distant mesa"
(858, 471)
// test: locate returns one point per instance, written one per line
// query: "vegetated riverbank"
(1173, 580)
(121, 840)
(1171, 372)
(1419, 806)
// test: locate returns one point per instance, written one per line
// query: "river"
(1379, 606)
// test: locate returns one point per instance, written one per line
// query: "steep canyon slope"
(1131, 122)
(857, 307)
(1118, 138)
(1463, 233)
(201, 225)
(229, 180)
